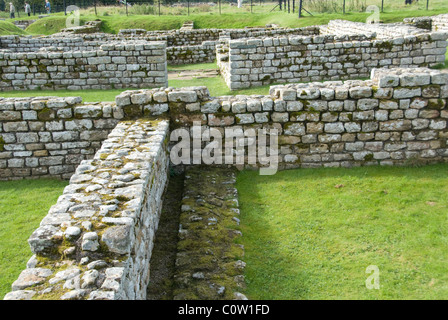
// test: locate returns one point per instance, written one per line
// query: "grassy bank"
(115, 18)
(23, 204)
(7, 28)
(311, 233)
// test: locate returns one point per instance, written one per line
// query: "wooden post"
(427, 4)
(188, 7)
(300, 8)
(95, 6)
(343, 7)
(382, 5)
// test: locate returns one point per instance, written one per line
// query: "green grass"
(196, 66)
(23, 204)
(87, 95)
(115, 18)
(216, 86)
(306, 239)
(8, 28)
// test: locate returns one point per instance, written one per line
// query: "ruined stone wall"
(96, 241)
(183, 46)
(256, 62)
(440, 23)
(437, 23)
(62, 43)
(198, 36)
(204, 52)
(47, 137)
(379, 30)
(398, 117)
(114, 65)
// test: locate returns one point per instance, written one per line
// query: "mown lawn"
(114, 17)
(311, 233)
(23, 204)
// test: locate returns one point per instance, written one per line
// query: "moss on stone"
(368, 157)
(2, 144)
(436, 104)
(45, 114)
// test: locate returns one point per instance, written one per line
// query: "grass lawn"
(114, 18)
(7, 28)
(311, 233)
(113, 24)
(23, 204)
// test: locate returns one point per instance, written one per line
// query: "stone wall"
(115, 65)
(379, 30)
(256, 62)
(398, 117)
(204, 52)
(183, 46)
(96, 241)
(183, 37)
(49, 137)
(68, 42)
(437, 23)
(440, 23)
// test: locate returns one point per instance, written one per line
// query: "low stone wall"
(379, 30)
(191, 54)
(320, 124)
(114, 65)
(70, 42)
(183, 46)
(440, 23)
(48, 137)
(96, 242)
(437, 23)
(183, 37)
(256, 62)
(399, 117)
